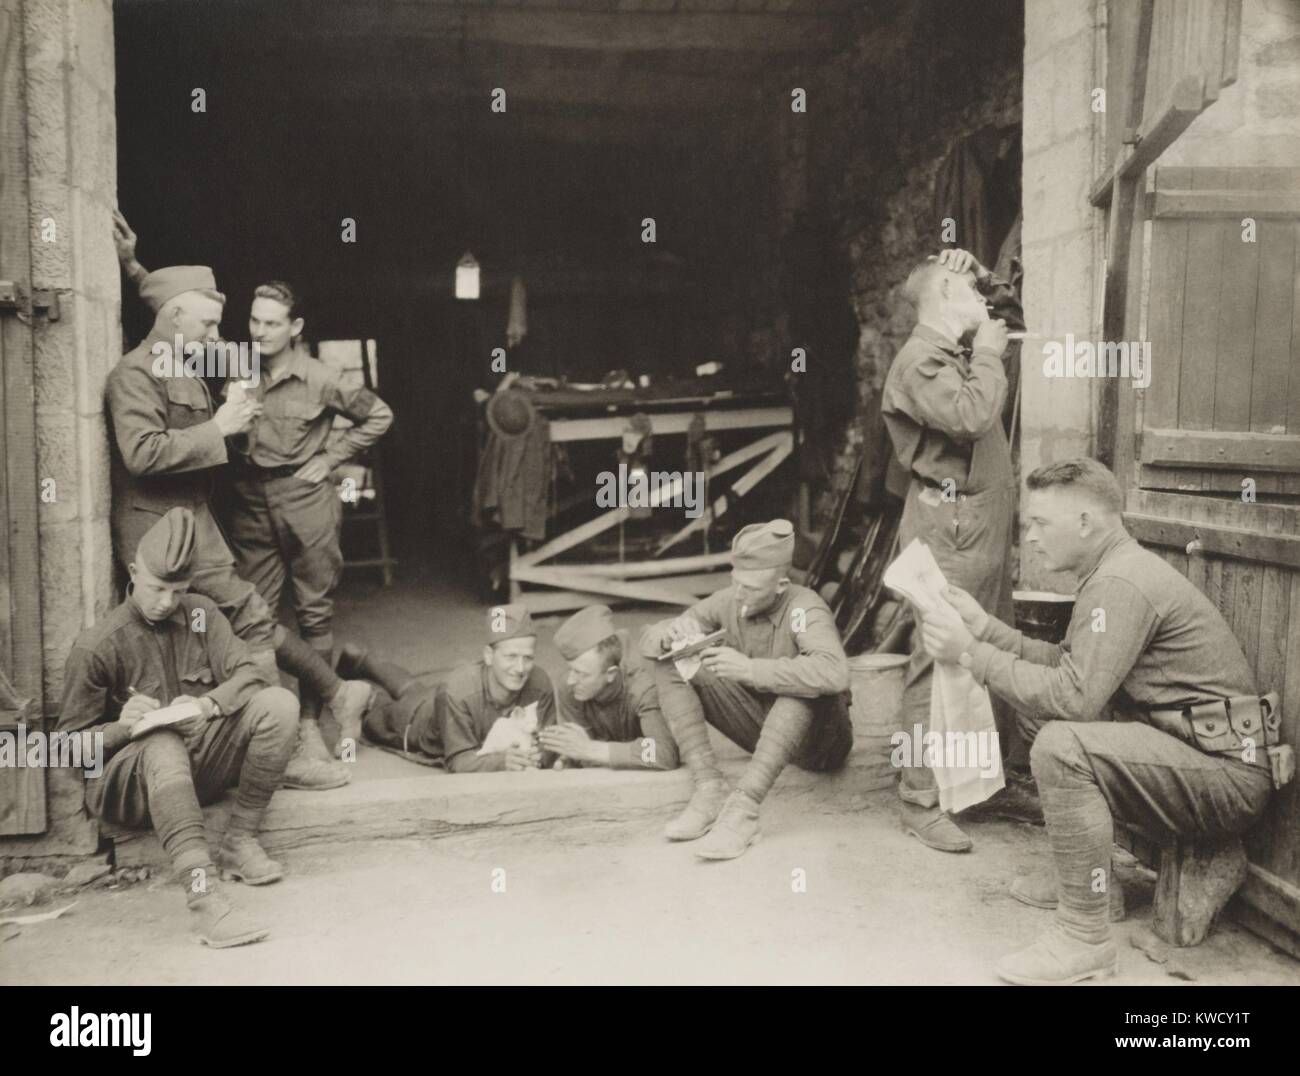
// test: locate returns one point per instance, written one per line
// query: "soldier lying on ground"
(451, 721)
(608, 705)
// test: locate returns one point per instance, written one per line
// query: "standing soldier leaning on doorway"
(168, 441)
(942, 404)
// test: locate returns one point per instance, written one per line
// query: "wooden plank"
(1245, 600)
(1221, 449)
(1216, 540)
(1273, 315)
(1207, 205)
(1293, 387)
(1238, 298)
(1185, 479)
(22, 613)
(595, 429)
(662, 593)
(1231, 42)
(739, 488)
(1165, 318)
(1271, 658)
(1128, 41)
(1201, 316)
(1184, 105)
(22, 790)
(641, 569)
(603, 522)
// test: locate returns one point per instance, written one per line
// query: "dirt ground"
(604, 901)
(614, 903)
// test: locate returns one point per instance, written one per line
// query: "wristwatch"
(964, 659)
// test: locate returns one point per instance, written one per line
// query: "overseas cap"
(764, 545)
(583, 630)
(508, 622)
(164, 284)
(168, 546)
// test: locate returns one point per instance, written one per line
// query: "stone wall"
(1062, 236)
(73, 180)
(1256, 120)
(881, 115)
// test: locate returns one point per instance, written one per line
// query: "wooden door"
(22, 791)
(1209, 452)
(1213, 464)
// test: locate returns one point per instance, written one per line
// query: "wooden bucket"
(1042, 614)
(876, 681)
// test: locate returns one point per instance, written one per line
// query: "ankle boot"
(734, 831)
(700, 813)
(349, 706)
(1078, 946)
(313, 774)
(243, 859)
(933, 828)
(1056, 959)
(215, 921)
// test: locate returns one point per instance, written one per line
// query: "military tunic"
(282, 527)
(165, 447)
(163, 660)
(467, 713)
(1164, 646)
(798, 661)
(942, 405)
(625, 714)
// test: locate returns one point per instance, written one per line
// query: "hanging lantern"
(467, 282)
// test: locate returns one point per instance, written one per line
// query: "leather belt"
(266, 474)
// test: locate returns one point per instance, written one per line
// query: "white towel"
(958, 705)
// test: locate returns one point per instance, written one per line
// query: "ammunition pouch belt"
(1222, 726)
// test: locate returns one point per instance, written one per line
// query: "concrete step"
(392, 798)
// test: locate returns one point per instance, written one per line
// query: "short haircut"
(610, 651)
(1083, 474)
(921, 280)
(281, 292)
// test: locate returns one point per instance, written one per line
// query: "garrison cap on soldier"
(167, 549)
(164, 284)
(764, 545)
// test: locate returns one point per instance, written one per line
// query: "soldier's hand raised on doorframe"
(971, 612)
(123, 238)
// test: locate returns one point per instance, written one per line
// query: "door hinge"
(42, 299)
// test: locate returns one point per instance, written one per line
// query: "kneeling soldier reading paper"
(163, 646)
(1187, 752)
